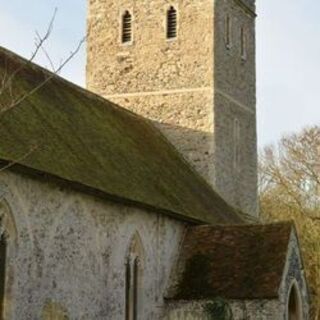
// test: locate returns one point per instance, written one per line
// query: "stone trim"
(246, 8)
(294, 275)
(239, 104)
(180, 91)
(160, 92)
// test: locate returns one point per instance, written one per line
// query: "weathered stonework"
(54, 311)
(71, 256)
(235, 98)
(263, 309)
(295, 273)
(193, 87)
(67, 252)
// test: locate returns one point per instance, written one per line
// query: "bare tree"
(290, 189)
(14, 98)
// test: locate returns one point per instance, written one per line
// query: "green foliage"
(219, 309)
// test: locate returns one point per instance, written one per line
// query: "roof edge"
(293, 234)
(192, 217)
(274, 294)
(253, 298)
(67, 82)
(76, 186)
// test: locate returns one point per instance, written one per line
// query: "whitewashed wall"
(67, 252)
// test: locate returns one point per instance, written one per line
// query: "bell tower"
(189, 67)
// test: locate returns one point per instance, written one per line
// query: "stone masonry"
(61, 259)
(196, 88)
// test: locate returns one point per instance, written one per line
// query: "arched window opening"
(294, 304)
(236, 144)
(128, 288)
(228, 31)
(126, 30)
(8, 244)
(171, 23)
(133, 281)
(136, 276)
(243, 44)
(3, 256)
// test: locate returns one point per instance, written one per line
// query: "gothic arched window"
(133, 279)
(8, 244)
(171, 23)
(126, 27)
(294, 303)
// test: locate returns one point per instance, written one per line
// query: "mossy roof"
(231, 262)
(66, 133)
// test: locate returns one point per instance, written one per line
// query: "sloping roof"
(77, 137)
(232, 262)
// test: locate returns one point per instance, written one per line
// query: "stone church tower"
(189, 66)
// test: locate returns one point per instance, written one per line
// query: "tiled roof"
(66, 133)
(232, 262)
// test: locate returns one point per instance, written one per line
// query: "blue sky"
(288, 54)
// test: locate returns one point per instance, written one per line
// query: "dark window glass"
(135, 288)
(127, 288)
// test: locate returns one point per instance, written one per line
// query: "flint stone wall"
(192, 88)
(67, 252)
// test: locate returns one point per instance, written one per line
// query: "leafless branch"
(46, 54)
(15, 102)
(39, 42)
(12, 97)
(23, 157)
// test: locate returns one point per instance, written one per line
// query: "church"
(136, 198)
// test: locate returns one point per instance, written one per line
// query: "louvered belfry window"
(171, 23)
(126, 36)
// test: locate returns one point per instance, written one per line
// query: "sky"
(288, 54)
